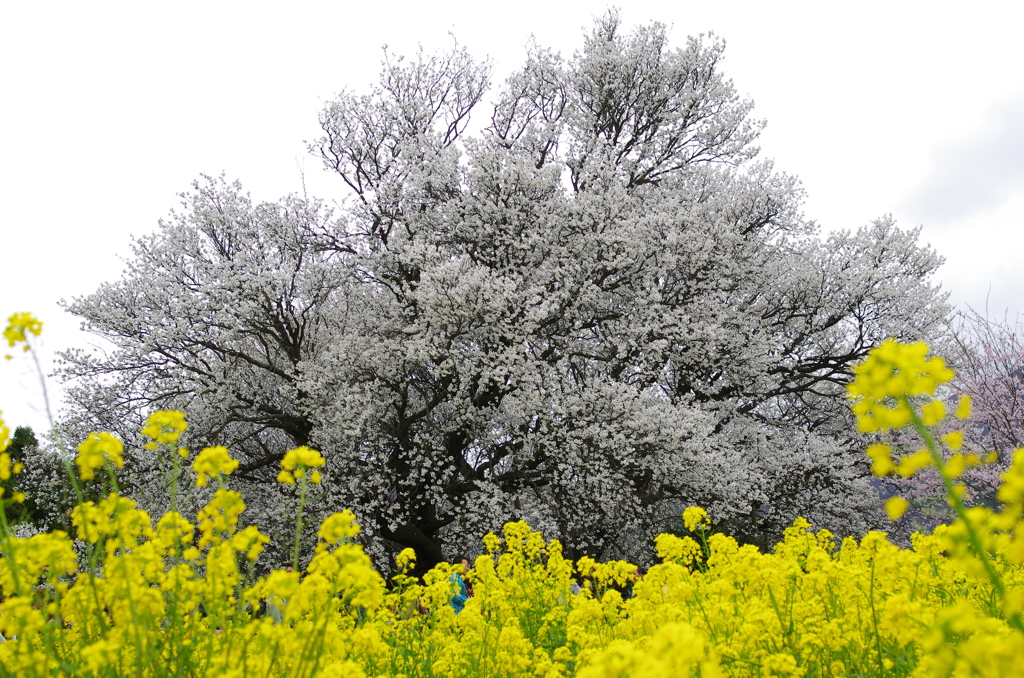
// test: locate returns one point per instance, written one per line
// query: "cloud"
(975, 174)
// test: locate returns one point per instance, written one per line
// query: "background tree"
(990, 368)
(49, 495)
(599, 309)
(22, 440)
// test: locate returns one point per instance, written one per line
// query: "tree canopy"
(598, 309)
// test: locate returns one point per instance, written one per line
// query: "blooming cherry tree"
(598, 310)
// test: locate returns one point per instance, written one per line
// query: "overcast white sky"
(110, 110)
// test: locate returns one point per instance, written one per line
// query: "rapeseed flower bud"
(95, 451)
(211, 462)
(164, 426)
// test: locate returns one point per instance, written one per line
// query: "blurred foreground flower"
(95, 451)
(17, 325)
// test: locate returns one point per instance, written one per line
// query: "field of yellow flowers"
(178, 597)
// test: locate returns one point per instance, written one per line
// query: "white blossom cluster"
(600, 309)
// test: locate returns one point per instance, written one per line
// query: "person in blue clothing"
(461, 595)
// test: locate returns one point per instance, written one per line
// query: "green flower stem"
(298, 520)
(175, 476)
(874, 619)
(702, 532)
(66, 456)
(42, 382)
(113, 477)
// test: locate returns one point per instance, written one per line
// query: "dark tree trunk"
(427, 546)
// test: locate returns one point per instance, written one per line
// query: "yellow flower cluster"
(7, 469)
(295, 464)
(887, 395)
(180, 599)
(884, 381)
(219, 518)
(164, 427)
(695, 518)
(17, 325)
(5, 435)
(97, 450)
(865, 608)
(211, 462)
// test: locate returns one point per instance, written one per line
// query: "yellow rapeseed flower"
(164, 426)
(339, 528)
(250, 541)
(889, 375)
(211, 462)
(5, 435)
(99, 655)
(933, 412)
(1012, 489)
(406, 559)
(694, 518)
(296, 462)
(17, 325)
(220, 516)
(956, 465)
(963, 408)
(682, 550)
(862, 607)
(96, 450)
(881, 459)
(955, 439)
(912, 463)
(6, 467)
(896, 507)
